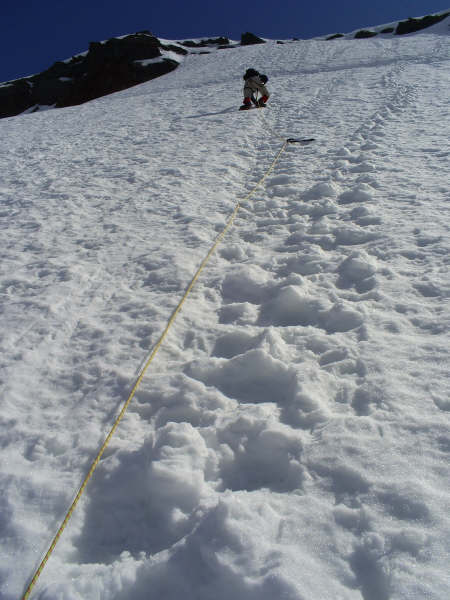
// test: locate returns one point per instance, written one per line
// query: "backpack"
(250, 73)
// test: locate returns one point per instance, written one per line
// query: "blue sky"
(36, 33)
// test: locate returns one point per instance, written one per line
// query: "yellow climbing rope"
(144, 369)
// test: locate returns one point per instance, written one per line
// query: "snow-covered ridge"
(434, 23)
(67, 84)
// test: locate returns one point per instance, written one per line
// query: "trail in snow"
(291, 439)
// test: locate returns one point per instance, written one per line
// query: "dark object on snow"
(387, 30)
(249, 38)
(107, 67)
(364, 33)
(412, 25)
(302, 141)
(252, 106)
(335, 36)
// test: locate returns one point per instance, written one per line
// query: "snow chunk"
(245, 284)
(356, 195)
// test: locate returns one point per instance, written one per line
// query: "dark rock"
(132, 47)
(248, 39)
(174, 48)
(222, 41)
(387, 30)
(57, 91)
(364, 33)
(192, 44)
(335, 36)
(412, 25)
(59, 69)
(278, 42)
(15, 97)
(108, 67)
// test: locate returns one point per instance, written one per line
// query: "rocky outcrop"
(107, 67)
(220, 41)
(412, 25)
(364, 33)
(248, 39)
(402, 28)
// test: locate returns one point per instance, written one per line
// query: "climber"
(254, 83)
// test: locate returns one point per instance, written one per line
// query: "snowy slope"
(291, 438)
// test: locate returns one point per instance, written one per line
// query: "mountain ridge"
(125, 61)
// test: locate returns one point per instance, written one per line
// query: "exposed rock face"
(15, 98)
(364, 33)
(412, 25)
(107, 67)
(402, 28)
(249, 38)
(220, 41)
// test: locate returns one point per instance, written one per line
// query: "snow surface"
(291, 439)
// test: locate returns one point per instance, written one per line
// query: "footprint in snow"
(352, 235)
(256, 377)
(357, 271)
(258, 454)
(290, 306)
(246, 283)
(355, 195)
